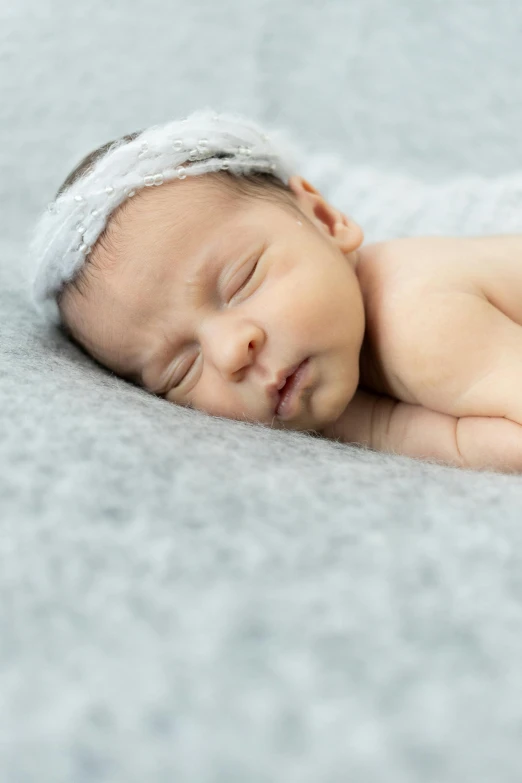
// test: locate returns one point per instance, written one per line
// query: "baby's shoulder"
(416, 293)
(399, 279)
(487, 266)
(406, 266)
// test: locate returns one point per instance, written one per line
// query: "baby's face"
(210, 298)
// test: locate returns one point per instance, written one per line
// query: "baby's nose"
(233, 345)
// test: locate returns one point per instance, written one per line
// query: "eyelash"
(243, 284)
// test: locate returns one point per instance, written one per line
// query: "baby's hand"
(385, 424)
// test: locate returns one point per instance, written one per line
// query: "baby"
(195, 261)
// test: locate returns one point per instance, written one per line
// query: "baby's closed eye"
(241, 283)
(247, 279)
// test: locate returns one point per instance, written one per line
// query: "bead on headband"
(205, 141)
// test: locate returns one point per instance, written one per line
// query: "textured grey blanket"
(190, 599)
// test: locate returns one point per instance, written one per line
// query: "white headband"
(71, 225)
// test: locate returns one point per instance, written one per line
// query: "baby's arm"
(385, 424)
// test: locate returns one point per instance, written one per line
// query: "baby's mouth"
(289, 392)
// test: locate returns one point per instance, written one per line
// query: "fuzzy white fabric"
(72, 224)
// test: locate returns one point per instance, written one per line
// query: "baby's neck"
(371, 376)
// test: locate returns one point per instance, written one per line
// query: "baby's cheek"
(218, 399)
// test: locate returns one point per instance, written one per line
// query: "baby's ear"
(344, 231)
(314, 205)
(305, 193)
(347, 234)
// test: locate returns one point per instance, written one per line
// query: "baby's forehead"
(194, 190)
(186, 214)
(177, 221)
(177, 205)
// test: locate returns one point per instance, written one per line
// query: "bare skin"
(444, 329)
(414, 345)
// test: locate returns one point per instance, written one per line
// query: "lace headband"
(203, 142)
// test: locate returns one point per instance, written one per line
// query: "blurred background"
(427, 89)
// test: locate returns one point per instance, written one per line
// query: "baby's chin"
(317, 414)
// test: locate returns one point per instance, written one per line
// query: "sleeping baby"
(194, 260)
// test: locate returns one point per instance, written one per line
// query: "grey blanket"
(185, 598)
